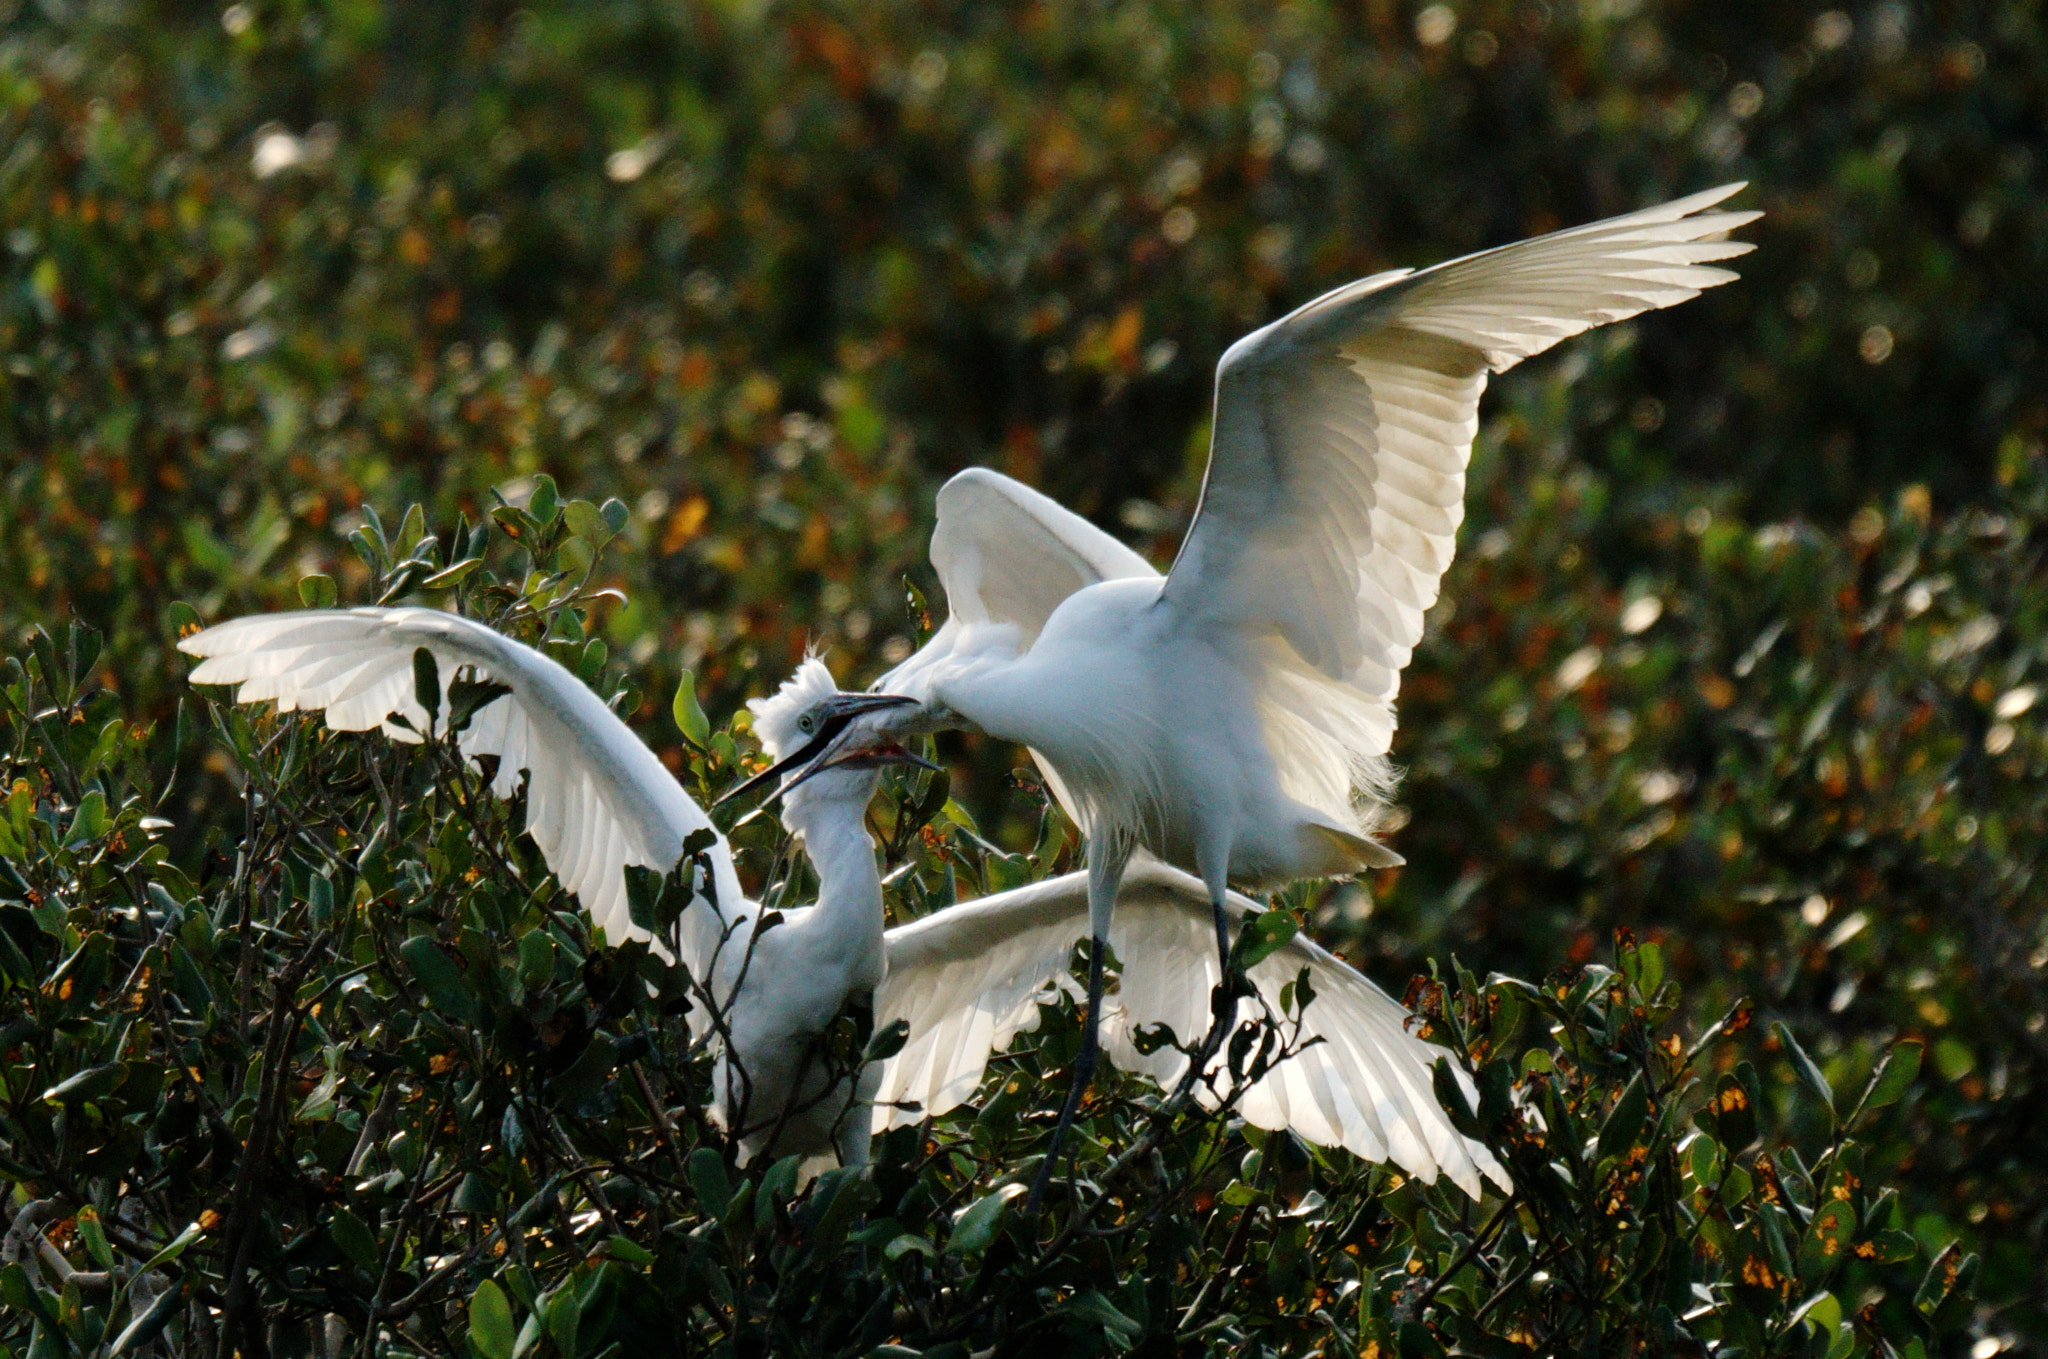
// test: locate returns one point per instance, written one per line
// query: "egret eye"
(806, 724)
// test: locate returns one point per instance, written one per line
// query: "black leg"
(1084, 1073)
(1222, 1000)
(1222, 933)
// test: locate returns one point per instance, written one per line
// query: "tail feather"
(1353, 851)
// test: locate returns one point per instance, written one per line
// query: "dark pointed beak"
(840, 710)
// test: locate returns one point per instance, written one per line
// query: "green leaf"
(439, 976)
(1823, 1309)
(905, 1245)
(587, 522)
(627, 1249)
(93, 1083)
(94, 1237)
(355, 1240)
(616, 515)
(974, 1230)
(150, 1324)
(467, 697)
(474, 1195)
(1618, 1133)
(1093, 1306)
(317, 591)
(1264, 934)
(176, 1248)
(564, 1314)
(19, 1293)
(536, 959)
(1734, 1113)
(576, 555)
(1829, 1239)
(707, 1177)
(1703, 1156)
(840, 1198)
(490, 1321)
(1450, 1092)
(452, 576)
(887, 1041)
(1941, 1279)
(690, 719)
(599, 1058)
(1809, 1070)
(412, 527)
(545, 501)
(426, 683)
(89, 822)
(1894, 1075)
(512, 521)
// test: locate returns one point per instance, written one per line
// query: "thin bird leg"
(1215, 865)
(1223, 1000)
(1222, 917)
(1084, 1074)
(1105, 875)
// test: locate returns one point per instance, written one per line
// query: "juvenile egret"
(1233, 717)
(966, 979)
(598, 801)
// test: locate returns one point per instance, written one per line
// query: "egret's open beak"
(871, 755)
(819, 752)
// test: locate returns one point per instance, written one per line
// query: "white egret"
(598, 801)
(966, 979)
(1234, 716)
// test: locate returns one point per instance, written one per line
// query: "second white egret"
(1234, 716)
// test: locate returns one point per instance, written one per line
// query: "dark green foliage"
(373, 1057)
(1740, 651)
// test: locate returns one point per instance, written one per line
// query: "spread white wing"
(597, 798)
(1336, 475)
(968, 979)
(1006, 556)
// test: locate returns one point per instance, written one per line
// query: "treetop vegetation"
(648, 331)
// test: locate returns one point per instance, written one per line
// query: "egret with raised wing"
(599, 801)
(1234, 716)
(966, 980)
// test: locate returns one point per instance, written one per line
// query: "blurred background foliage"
(1744, 642)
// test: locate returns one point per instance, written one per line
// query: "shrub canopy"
(1741, 652)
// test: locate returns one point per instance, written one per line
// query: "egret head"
(821, 748)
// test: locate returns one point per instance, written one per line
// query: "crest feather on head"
(775, 716)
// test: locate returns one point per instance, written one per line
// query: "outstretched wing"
(1007, 556)
(967, 980)
(597, 798)
(1336, 474)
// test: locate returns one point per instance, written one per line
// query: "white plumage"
(1271, 655)
(967, 979)
(1234, 716)
(597, 798)
(598, 801)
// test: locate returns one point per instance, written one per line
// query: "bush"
(361, 1080)
(1743, 648)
